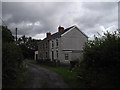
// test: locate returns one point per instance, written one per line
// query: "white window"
(66, 57)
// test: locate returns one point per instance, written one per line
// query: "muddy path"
(39, 77)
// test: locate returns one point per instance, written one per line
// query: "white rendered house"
(64, 46)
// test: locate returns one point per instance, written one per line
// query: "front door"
(52, 55)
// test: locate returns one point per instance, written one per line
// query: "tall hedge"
(102, 61)
(103, 52)
(11, 58)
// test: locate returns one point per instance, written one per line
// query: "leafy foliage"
(11, 58)
(7, 35)
(28, 46)
(12, 62)
(101, 64)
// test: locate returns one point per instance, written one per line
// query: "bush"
(12, 62)
(11, 59)
(102, 60)
(7, 35)
(74, 64)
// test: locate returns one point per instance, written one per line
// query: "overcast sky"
(35, 19)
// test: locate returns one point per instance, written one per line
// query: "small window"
(52, 44)
(46, 45)
(66, 57)
(57, 54)
(46, 54)
(57, 42)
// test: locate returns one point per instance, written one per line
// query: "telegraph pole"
(16, 34)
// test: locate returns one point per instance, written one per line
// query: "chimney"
(60, 29)
(48, 34)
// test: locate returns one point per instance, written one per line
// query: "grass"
(90, 78)
(69, 77)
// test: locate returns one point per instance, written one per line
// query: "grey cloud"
(98, 14)
(100, 6)
(31, 12)
(119, 15)
(88, 16)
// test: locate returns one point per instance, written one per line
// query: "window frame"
(52, 44)
(57, 54)
(66, 56)
(57, 43)
(46, 54)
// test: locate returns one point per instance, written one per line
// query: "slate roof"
(57, 34)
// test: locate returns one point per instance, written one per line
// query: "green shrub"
(11, 62)
(102, 60)
(11, 59)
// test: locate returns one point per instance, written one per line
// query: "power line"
(6, 27)
(3, 21)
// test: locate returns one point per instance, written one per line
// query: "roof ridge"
(58, 34)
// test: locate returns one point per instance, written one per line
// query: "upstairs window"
(52, 44)
(46, 45)
(57, 42)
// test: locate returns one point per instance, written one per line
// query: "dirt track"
(39, 77)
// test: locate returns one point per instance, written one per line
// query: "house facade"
(63, 46)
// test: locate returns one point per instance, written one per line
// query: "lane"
(39, 77)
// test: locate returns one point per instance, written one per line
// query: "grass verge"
(69, 77)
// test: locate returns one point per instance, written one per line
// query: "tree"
(11, 58)
(102, 60)
(28, 46)
(103, 52)
(7, 35)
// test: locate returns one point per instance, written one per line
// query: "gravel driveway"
(39, 77)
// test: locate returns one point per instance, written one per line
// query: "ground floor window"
(57, 54)
(66, 57)
(46, 54)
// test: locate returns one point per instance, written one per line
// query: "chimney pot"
(60, 29)
(48, 34)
